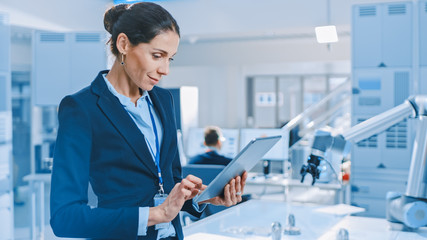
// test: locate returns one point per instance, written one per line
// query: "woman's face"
(147, 63)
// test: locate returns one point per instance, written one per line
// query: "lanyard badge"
(160, 197)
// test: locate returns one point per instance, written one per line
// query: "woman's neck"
(122, 82)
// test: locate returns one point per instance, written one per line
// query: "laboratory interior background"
(342, 83)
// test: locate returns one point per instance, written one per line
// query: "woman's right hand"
(187, 189)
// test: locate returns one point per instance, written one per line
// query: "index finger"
(195, 180)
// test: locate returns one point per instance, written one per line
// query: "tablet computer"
(244, 161)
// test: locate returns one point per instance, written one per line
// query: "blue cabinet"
(6, 172)
(423, 34)
(64, 63)
(382, 35)
(4, 44)
(382, 78)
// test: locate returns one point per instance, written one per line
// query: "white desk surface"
(280, 180)
(256, 216)
(363, 228)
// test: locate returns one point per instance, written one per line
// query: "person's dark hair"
(141, 22)
(212, 135)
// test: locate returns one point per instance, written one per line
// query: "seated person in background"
(213, 141)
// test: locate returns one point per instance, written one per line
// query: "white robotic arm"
(409, 208)
(324, 141)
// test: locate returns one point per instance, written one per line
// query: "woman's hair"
(141, 22)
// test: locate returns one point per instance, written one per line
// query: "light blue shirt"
(141, 116)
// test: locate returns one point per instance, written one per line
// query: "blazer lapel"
(118, 116)
(168, 127)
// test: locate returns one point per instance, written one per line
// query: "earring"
(123, 59)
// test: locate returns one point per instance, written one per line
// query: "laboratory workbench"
(253, 220)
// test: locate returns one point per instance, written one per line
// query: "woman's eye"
(157, 55)
(171, 59)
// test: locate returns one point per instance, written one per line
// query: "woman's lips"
(154, 79)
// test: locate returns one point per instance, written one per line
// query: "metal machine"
(409, 208)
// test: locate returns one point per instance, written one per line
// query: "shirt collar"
(122, 98)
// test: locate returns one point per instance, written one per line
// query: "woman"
(119, 134)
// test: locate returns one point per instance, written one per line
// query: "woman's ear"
(122, 43)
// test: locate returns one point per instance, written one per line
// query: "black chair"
(206, 172)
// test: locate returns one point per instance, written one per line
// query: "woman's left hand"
(232, 192)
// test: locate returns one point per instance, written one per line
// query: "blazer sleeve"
(70, 214)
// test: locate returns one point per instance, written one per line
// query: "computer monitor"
(196, 138)
(277, 153)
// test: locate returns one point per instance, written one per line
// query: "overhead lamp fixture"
(327, 34)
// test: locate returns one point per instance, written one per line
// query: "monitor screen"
(196, 139)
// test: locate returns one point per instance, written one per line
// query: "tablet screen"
(244, 161)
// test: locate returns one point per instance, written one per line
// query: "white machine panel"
(278, 152)
(374, 207)
(377, 90)
(377, 187)
(230, 146)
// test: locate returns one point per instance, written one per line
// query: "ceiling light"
(326, 34)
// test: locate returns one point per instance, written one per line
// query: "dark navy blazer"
(98, 142)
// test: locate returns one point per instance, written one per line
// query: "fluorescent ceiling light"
(326, 34)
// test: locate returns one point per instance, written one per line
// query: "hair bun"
(112, 15)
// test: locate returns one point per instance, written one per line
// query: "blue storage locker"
(64, 63)
(51, 71)
(4, 43)
(6, 173)
(397, 34)
(382, 35)
(88, 57)
(423, 35)
(366, 36)
(423, 80)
